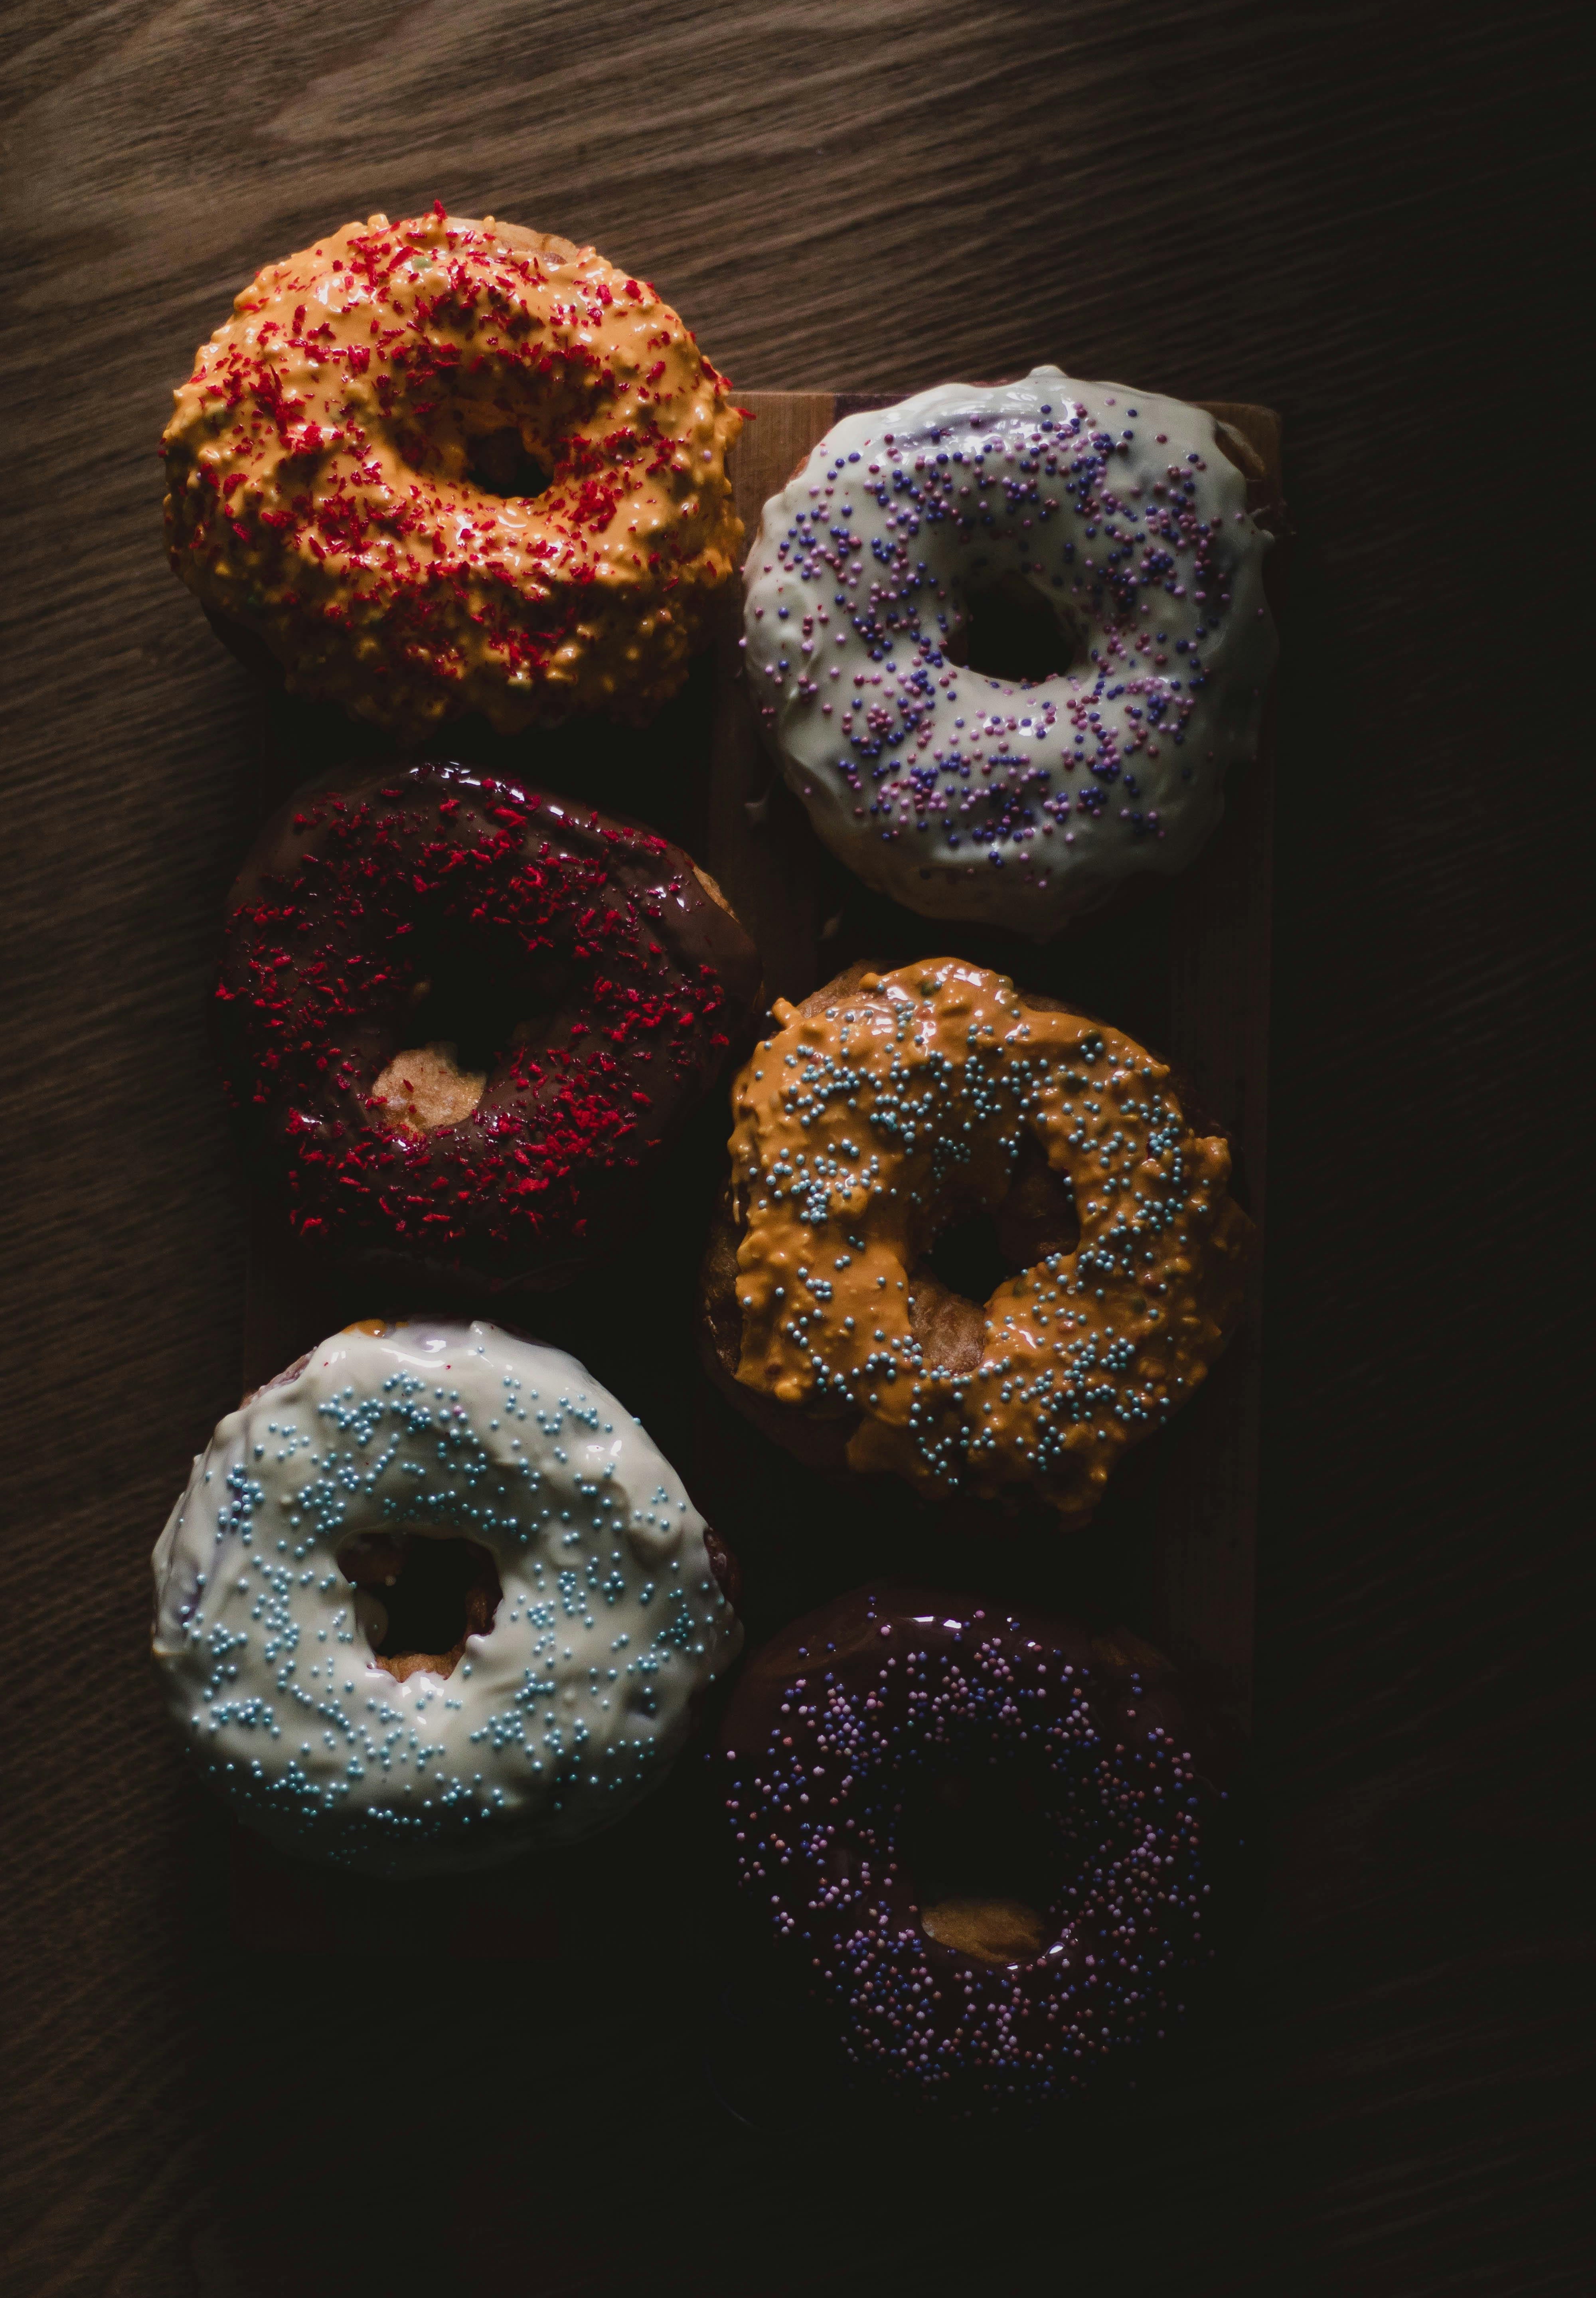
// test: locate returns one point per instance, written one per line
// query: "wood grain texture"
(1352, 214)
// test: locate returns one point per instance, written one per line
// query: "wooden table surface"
(1358, 215)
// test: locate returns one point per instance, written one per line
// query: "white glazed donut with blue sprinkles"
(600, 1615)
(1020, 801)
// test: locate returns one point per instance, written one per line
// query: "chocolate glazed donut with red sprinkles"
(459, 1019)
(988, 1843)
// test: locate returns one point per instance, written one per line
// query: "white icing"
(965, 796)
(555, 1721)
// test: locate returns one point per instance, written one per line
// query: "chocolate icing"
(984, 1838)
(398, 907)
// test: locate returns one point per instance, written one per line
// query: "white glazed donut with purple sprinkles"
(1021, 801)
(598, 1620)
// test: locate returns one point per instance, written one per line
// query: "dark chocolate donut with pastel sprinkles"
(986, 1840)
(461, 1019)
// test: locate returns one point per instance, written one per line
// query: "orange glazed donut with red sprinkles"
(444, 466)
(460, 1019)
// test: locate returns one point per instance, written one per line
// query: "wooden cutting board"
(1186, 969)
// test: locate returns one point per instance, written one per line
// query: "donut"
(442, 466)
(1007, 641)
(983, 1841)
(888, 1117)
(431, 1598)
(461, 1019)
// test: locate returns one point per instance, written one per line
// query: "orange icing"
(320, 491)
(861, 1131)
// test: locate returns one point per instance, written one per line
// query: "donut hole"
(418, 1596)
(1013, 630)
(485, 999)
(980, 1247)
(981, 1859)
(423, 1088)
(969, 1257)
(500, 463)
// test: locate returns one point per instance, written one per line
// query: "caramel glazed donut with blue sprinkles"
(433, 1596)
(879, 1116)
(1026, 800)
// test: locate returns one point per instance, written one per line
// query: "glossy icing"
(327, 465)
(902, 1739)
(967, 795)
(895, 1102)
(604, 982)
(555, 1721)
